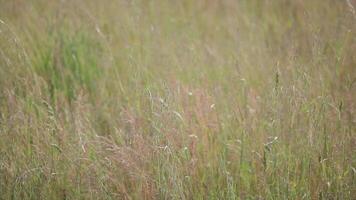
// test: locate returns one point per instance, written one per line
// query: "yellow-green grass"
(177, 99)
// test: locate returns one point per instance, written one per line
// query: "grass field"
(177, 99)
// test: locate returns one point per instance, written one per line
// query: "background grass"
(161, 99)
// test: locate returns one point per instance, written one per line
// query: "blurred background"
(163, 99)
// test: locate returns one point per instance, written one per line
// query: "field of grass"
(177, 99)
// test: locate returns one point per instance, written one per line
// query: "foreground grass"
(246, 99)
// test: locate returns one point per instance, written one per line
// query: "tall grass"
(206, 99)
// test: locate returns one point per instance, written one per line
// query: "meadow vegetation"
(177, 99)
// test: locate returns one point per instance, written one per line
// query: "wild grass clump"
(206, 99)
